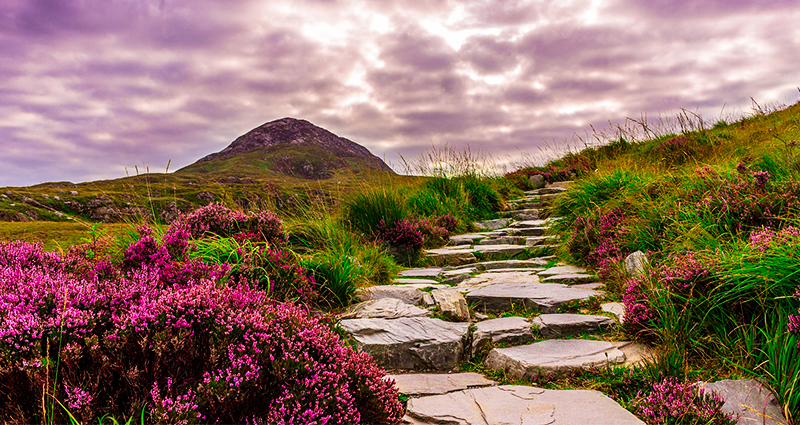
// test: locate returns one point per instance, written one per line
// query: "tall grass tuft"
(367, 209)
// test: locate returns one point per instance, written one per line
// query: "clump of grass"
(367, 209)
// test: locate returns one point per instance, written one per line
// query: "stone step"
(570, 278)
(543, 297)
(529, 223)
(492, 224)
(531, 241)
(409, 294)
(566, 269)
(529, 231)
(553, 355)
(504, 240)
(517, 404)
(528, 214)
(427, 272)
(422, 384)
(525, 205)
(533, 263)
(467, 238)
(504, 330)
(547, 190)
(451, 256)
(386, 308)
(560, 325)
(414, 281)
(499, 252)
(410, 343)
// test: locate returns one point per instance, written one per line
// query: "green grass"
(58, 236)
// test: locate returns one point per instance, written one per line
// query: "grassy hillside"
(716, 210)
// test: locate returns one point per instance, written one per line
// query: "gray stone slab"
(615, 308)
(635, 353)
(636, 264)
(504, 240)
(409, 294)
(451, 256)
(413, 343)
(486, 279)
(421, 384)
(569, 278)
(529, 231)
(527, 214)
(559, 325)
(539, 240)
(412, 281)
(529, 223)
(518, 405)
(553, 355)
(387, 308)
(428, 272)
(752, 401)
(499, 252)
(452, 302)
(492, 224)
(504, 330)
(552, 271)
(546, 298)
(467, 238)
(514, 270)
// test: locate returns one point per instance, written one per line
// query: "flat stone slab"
(467, 238)
(387, 308)
(452, 256)
(514, 270)
(752, 401)
(529, 223)
(408, 294)
(492, 224)
(558, 325)
(497, 252)
(544, 297)
(421, 384)
(505, 330)
(553, 355)
(429, 272)
(526, 214)
(569, 278)
(518, 405)
(539, 240)
(635, 353)
(411, 343)
(552, 271)
(413, 281)
(617, 309)
(496, 278)
(504, 240)
(529, 231)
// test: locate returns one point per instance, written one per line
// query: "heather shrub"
(673, 401)
(222, 221)
(191, 351)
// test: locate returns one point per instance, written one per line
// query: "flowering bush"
(223, 221)
(189, 351)
(676, 402)
(599, 240)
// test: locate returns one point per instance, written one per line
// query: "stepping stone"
(527, 214)
(751, 400)
(569, 278)
(421, 384)
(453, 256)
(513, 270)
(505, 330)
(411, 343)
(408, 294)
(549, 197)
(594, 285)
(528, 224)
(431, 272)
(455, 280)
(558, 325)
(635, 353)
(504, 240)
(615, 308)
(387, 308)
(499, 252)
(412, 281)
(547, 297)
(452, 302)
(540, 240)
(492, 224)
(552, 271)
(518, 405)
(488, 279)
(553, 355)
(467, 238)
(516, 264)
(550, 190)
(529, 231)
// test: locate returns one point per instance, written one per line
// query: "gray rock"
(413, 281)
(431, 272)
(635, 353)
(518, 405)
(427, 300)
(505, 330)
(387, 308)
(411, 343)
(73, 192)
(405, 293)
(504, 240)
(570, 278)
(467, 238)
(487, 279)
(451, 256)
(514, 270)
(751, 400)
(456, 279)
(552, 271)
(527, 224)
(451, 302)
(540, 240)
(546, 298)
(528, 214)
(492, 224)
(536, 181)
(551, 190)
(499, 252)
(636, 264)
(529, 231)
(553, 355)
(420, 384)
(558, 325)
(615, 308)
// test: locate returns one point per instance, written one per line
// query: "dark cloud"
(92, 87)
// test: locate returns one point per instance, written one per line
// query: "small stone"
(559, 325)
(455, 280)
(4, 196)
(615, 308)
(636, 264)
(46, 196)
(57, 198)
(58, 214)
(427, 300)
(451, 302)
(553, 355)
(73, 192)
(536, 181)
(420, 384)
(9, 193)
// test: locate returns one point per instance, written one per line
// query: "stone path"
(496, 272)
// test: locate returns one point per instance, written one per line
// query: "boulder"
(410, 343)
(636, 264)
(536, 181)
(751, 400)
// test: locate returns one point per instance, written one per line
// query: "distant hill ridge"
(286, 144)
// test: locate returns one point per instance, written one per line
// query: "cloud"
(92, 87)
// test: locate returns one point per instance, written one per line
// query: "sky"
(89, 88)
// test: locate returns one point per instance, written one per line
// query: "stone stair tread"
(422, 384)
(492, 224)
(500, 264)
(559, 325)
(562, 270)
(529, 231)
(513, 270)
(512, 330)
(529, 223)
(504, 240)
(544, 297)
(386, 308)
(569, 278)
(553, 355)
(467, 238)
(423, 272)
(414, 281)
(517, 404)
(410, 343)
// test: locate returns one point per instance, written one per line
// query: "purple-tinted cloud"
(90, 88)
